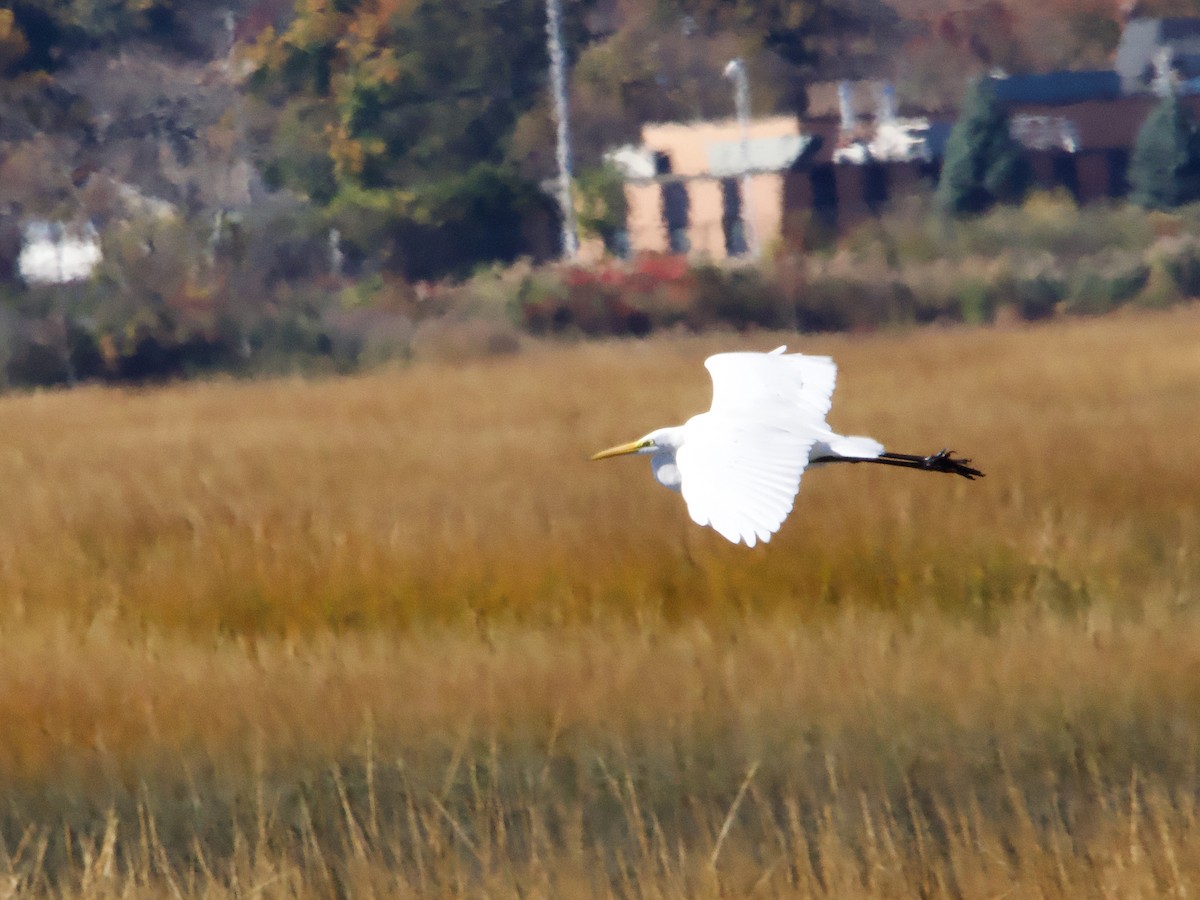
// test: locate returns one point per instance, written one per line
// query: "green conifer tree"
(983, 164)
(1164, 171)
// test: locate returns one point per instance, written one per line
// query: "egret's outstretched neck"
(666, 442)
(666, 472)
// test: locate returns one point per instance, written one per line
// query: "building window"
(875, 186)
(824, 194)
(675, 216)
(732, 224)
(1118, 172)
(1066, 173)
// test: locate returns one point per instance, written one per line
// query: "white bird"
(738, 465)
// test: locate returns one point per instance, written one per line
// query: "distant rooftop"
(714, 149)
(765, 154)
(1058, 87)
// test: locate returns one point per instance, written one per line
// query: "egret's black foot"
(944, 461)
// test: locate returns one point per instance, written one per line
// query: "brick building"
(697, 189)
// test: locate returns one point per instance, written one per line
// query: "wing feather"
(739, 476)
(740, 463)
(766, 386)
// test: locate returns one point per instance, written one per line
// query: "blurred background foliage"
(279, 185)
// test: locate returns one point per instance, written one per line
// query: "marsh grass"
(393, 635)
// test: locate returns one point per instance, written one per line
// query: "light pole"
(736, 71)
(558, 84)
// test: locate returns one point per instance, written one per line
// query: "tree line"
(273, 178)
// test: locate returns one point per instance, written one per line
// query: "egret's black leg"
(942, 461)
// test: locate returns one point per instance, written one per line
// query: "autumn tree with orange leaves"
(395, 114)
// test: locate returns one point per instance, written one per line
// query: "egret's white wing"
(772, 386)
(741, 475)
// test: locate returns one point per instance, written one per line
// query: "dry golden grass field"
(395, 636)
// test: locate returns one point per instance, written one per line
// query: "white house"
(55, 253)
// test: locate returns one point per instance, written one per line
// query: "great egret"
(738, 465)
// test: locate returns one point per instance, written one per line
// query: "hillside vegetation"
(395, 635)
(279, 186)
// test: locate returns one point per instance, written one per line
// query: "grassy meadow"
(394, 635)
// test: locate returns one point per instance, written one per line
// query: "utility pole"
(736, 71)
(558, 84)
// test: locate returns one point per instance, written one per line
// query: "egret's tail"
(853, 446)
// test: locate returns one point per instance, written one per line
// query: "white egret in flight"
(738, 465)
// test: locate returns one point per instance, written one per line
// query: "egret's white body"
(738, 465)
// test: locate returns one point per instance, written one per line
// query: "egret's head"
(641, 445)
(662, 440)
